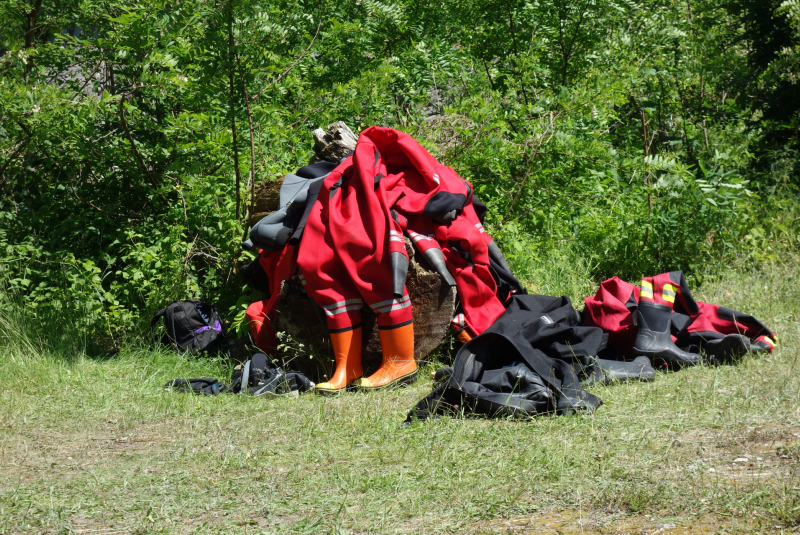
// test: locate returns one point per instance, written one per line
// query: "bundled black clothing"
(258, 376)
(529, 362)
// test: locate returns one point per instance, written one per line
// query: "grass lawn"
(96, 446)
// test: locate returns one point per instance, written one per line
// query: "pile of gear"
(341, 233)
(341, 230)
(257, 376)
(541, 353)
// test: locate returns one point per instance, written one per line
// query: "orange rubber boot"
(347, 354)
(464, 336)
(399, 366)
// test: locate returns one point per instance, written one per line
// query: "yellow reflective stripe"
(647, 288)
(668, 293)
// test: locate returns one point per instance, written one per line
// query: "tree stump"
(305, 342)
(334, 143)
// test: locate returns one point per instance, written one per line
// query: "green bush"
(620, 138)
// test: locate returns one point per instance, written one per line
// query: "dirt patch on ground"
(574, 522)
(751, 453)
(747, 458)
(82, 525)
(28, 456)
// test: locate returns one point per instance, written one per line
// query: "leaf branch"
(139, 158)
(101, 210)
(284, 73)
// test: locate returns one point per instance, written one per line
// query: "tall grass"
(562, 271)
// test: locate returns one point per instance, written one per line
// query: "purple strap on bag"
(217, 327)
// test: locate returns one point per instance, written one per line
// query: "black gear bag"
(192, 325)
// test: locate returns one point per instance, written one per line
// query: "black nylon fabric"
(255, 276)
(552, 325)
(201, 386)
(480, 209)
(507, 283)
(527, 363)
(441, 204)
(316, 170)
(677, 277)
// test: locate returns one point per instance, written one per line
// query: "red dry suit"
(279, 267)
(389, 187)
(613, 308)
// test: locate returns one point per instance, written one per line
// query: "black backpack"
(191, 325)
(203, 387)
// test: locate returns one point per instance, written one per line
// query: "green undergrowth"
(562, 271)
(96, 445)
(139, 139)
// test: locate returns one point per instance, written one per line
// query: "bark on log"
(334, 143)
(267, 200)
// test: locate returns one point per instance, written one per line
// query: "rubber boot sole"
(333, 391)
(401, 381)
(325, 392)
(617, 372)
(669, 361)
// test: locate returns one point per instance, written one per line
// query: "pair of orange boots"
(399, 366)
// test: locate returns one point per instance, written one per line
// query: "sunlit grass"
(91, 443)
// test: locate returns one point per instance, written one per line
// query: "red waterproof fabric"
(716, 319)
(344, 258)
(260, 315)
(613, 309)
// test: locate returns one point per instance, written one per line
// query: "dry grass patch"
(577, 522)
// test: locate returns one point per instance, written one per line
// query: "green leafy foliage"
(634, 136)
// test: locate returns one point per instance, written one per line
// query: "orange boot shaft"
(399, 366)
(347, 354)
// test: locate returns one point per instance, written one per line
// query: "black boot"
(654, 339)
(618, 371)
(729, 348)
(605, 372)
